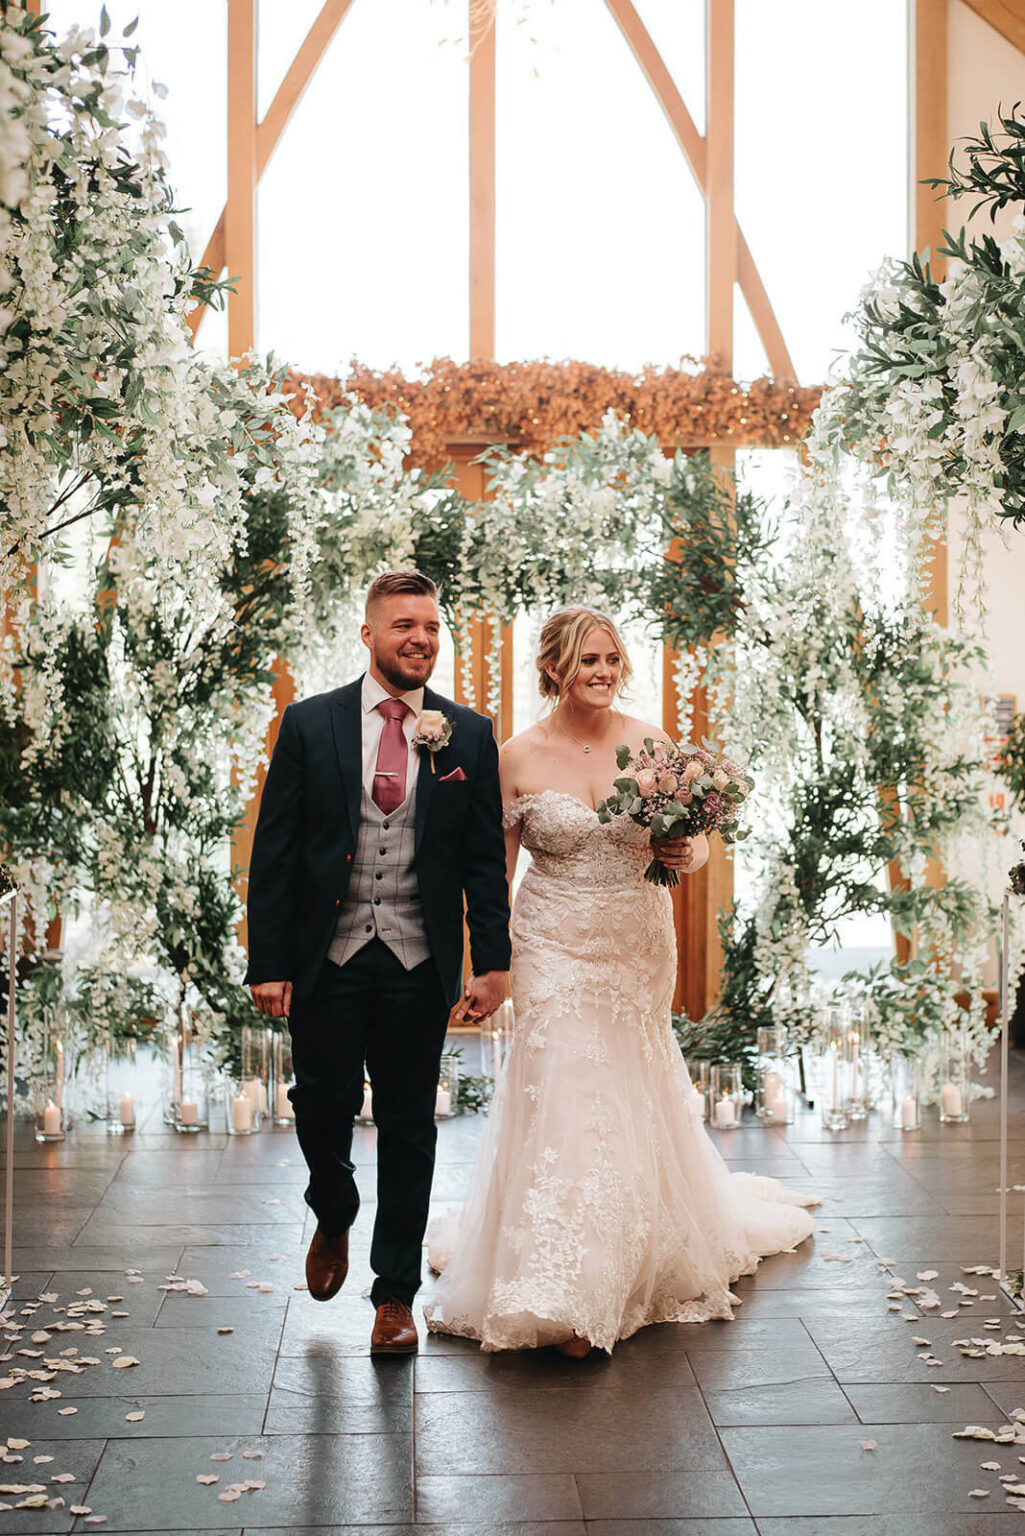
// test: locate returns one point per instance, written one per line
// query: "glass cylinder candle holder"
(773, 1096)
(256, 1047)
(906, 1091)
(122, 1085)
(190, 1080)
(700, 1079)
(240, 1116)
(446, 1099)
(49, 1086)
(726, 1096)
(833, 1073)
(856, 1057)
(283, 1078)
(366, 1114)
(955, 1089)
(495, 1034)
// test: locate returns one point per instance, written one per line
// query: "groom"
(366, 843)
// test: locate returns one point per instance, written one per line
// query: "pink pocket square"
(457, 776)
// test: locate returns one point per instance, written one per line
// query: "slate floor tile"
(151, 1258)
(345, 1395)
(104, 1417)
(80, 1459)
(317, 1480)
(238, 1312)
(916, 1468)
(508, 1431)
(102, 1232)
(700, 1492)
(895, 1523)
(738, 1370)
(968, 1239)
(730, 1526)
(174, 1362)
(858, 1350)
(184, 1165)
(918, 1403)
(215, 1266)
(447, 1498)
(807, 1401)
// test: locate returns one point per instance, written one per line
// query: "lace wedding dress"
(599, 1203)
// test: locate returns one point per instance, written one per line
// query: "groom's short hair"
(391, 582)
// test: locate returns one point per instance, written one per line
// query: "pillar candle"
(950, 1099)
(128, 1111)
(254, 1092)
(188, 1112)
(443, 1102)
(777, 1105)
(284, 1103)
(725, 1114)
(60, 1074)
(242, 1112)
(908, 1113)
(367, 1112)
(51, 1119)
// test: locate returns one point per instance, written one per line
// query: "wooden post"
(721, 224)
(240, 218)
(699, 897)
(482, 181)
(929, 148)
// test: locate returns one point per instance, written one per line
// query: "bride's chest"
(558, 826)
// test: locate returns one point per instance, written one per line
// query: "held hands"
(684, 854)
(482, 996)
(273, 998)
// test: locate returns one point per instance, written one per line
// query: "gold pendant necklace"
(585, 745)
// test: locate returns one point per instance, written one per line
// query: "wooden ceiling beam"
(268, 132)
(1005, 16)
(695, 150)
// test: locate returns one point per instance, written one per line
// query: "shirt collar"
(373, 693)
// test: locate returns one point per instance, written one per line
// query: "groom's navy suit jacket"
(306, 833)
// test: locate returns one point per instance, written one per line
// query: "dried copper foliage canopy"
(531, 405)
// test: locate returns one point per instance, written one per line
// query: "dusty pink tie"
(392, 757)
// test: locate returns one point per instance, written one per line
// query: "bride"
(599, 1203)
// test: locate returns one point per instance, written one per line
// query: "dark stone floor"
(727, 1429)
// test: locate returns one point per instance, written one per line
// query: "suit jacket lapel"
(347, 726)
(426, 781)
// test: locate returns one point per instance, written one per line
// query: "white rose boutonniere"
(433, 731)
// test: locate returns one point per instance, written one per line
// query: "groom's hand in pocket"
(274, 998)
(483, 995)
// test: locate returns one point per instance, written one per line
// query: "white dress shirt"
(373, 728)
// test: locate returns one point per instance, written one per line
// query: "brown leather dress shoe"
(394, 1331)
(327, 1265)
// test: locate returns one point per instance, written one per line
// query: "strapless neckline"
(557, 794)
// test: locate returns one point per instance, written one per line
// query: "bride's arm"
(507, 770)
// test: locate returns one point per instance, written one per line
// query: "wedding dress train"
(599, 1203)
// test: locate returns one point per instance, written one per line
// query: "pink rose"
(693, 771)
(431, 725)
(647, 782)
(720, 778)
(684, 796)
(668, 784)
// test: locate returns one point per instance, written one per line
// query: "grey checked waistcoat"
(383, 898)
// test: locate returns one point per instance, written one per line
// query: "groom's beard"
(400, 674)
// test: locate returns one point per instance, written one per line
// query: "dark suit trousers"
(371, 1014)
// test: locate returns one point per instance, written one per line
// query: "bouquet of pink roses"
(678, 791)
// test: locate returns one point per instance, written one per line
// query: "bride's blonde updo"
(562, 644)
